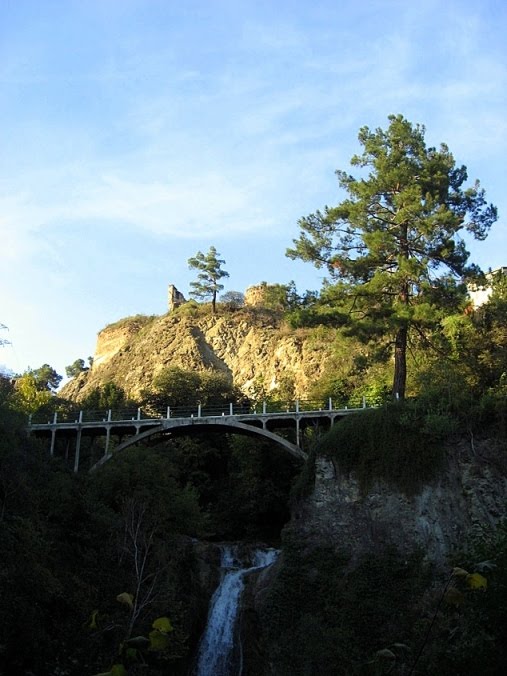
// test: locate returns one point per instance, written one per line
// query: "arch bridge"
(134, 426)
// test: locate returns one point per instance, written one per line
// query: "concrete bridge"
(138, 426)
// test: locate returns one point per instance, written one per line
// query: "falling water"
(216, 650)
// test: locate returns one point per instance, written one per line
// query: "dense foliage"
(397, 443)
(388, 613)
(91, 561)
(186, 389)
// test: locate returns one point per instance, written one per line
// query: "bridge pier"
(52, 446)
(108, 437)
(77, 451)
(78, 442)
(108, 431)
(53, 435)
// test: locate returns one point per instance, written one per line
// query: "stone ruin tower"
(174, 298)
(255, 296)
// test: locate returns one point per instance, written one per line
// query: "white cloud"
(209, 203)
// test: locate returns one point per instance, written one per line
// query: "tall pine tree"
(396, 238)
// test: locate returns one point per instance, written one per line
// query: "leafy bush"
(178, 387)
(394, 443)
(233, 299)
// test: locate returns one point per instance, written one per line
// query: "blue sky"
(137, 132)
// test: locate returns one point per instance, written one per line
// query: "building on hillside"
(481, 294)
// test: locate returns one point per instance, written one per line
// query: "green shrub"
(394, 443)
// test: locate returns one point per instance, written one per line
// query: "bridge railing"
(196, 411)
(88, 415)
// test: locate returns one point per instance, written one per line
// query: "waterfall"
(216, 649)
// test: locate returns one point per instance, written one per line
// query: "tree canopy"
(35, 388)
(74, 369)
(46, 378)
(234, 299)
(210, 273)
(393, 246)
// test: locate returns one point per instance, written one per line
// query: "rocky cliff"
(468, 498)
(253, 347)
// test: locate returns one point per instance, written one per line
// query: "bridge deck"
(252, 418)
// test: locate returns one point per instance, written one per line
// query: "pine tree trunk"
(400, 343)
(400, 363)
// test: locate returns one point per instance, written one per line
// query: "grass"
(138, 321)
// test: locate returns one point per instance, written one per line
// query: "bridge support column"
(78, 443)
(108, 437)
(108, 432)
(53, 436)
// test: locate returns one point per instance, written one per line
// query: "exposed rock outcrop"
(469, 496)
(253, 348)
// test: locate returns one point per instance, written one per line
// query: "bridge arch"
(180, 426)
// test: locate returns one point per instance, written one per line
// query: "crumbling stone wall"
(174, 298)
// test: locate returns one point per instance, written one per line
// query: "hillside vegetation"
(303, 350)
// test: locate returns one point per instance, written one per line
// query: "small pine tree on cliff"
(209, 276)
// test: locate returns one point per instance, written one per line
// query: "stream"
(217, 655)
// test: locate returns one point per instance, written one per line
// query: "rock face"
(112, 340)
(252, 348)
(469, 496)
